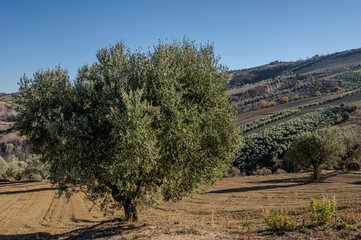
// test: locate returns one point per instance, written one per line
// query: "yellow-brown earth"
(31, 210)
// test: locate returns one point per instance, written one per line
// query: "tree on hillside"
(352, 147)
(134, 125)
(317, 150)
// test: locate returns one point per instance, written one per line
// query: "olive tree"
(3, 167)
(317, 150)
(134, 126)
(16, 170)
(36, 168)
(352, 147)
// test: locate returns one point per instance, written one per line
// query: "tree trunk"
(130, 210)
(130, 205)
(316, 173)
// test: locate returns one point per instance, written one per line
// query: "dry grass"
(31, 210)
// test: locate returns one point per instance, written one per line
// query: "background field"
(32, 210)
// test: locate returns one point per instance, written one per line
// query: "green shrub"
(36, 177)
(346, 116)
(322, 212)
(343, 225)
(317, 150)
(260, 148)
(248, 223)
(3, 167)
(277, 221)
(36, 169)
(16, 170)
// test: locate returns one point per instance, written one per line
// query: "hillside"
(12, 147)
(7, 98)
(313, 79)
(283, 99)
(330, 62)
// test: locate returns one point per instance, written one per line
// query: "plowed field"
(31, 210)
(27, 207)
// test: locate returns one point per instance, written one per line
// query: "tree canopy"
(133, 126)
(317, 150)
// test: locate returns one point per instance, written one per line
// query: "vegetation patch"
(267, 120)
(261, 148)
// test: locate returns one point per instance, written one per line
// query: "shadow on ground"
(277, 183)
(40, 235)
(6, 182)
(27, 191)
(305, 180)
(256, 188)
(105, 229)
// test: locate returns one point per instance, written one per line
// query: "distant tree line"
(267, 120)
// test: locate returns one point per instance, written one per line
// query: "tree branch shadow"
(105, 229)
(255, 188)
(27, 191)
(277, 183)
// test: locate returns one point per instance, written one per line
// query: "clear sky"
(37, 34)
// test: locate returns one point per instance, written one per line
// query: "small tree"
(134, 125)
(16, 170)
(284, 99)
(3, 167)
(316, 150)
(352, 147)
(36, 167)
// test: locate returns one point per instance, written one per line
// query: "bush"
(350, 109)
(280, 171)
(16, 170)
(277, 221)
(322, 212)
(344, 225)
(37, 169)
(234, 172)
(36, 177)
(346, 116)
(337, 88)
(284, 100)
(263, 171)
(264, 104)
(3, 167)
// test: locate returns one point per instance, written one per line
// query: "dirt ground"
(31, 210)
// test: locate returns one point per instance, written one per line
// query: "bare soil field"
(246, 87)
(31, 210)
(344, 61)
(243, 118)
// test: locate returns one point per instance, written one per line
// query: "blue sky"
(41, 34)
